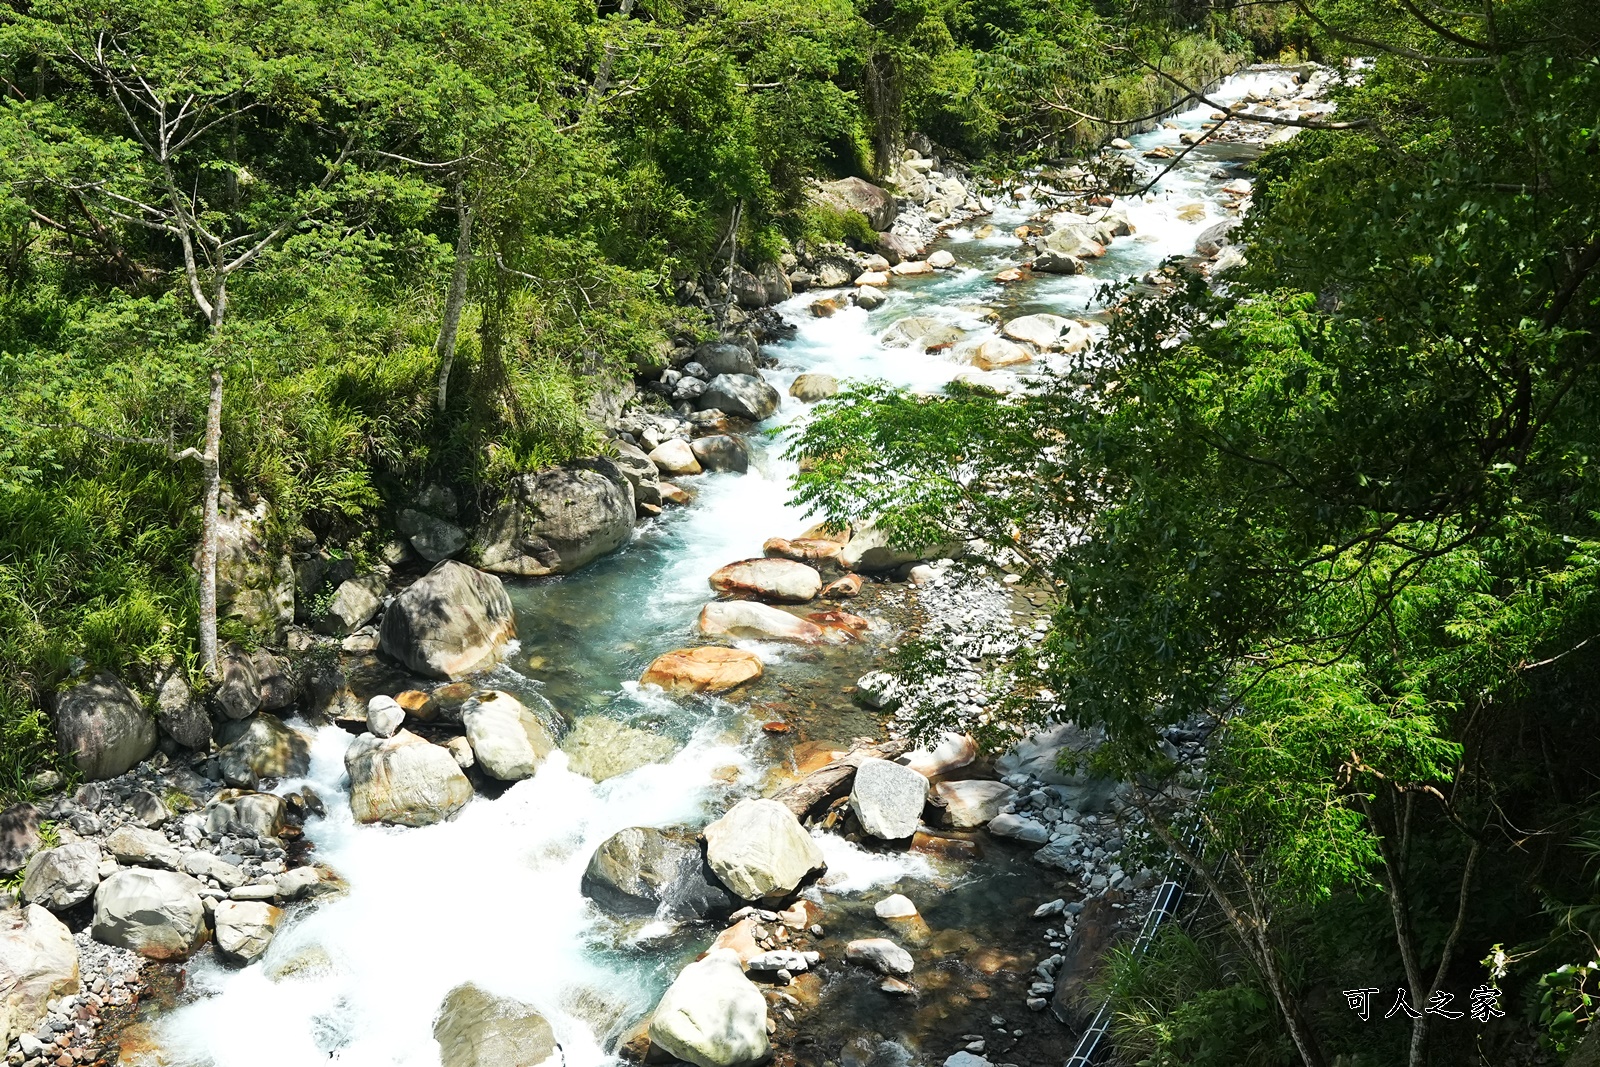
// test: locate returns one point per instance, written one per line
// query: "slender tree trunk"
(445, 347)
(602, 77)
(210, 465)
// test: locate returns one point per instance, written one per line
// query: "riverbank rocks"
(647, 871)
(263, 814)
(384, 716)
(839, 627)
(451, 622)
(971, 804)
(812, 387)
(887, 799)
(869, 550)
(404, 780)
(749, 619)
(941, 260)
(781, 581)
(844, 588)
(1048, 333)
(760, 851)
(63, 877)
(1214, 239)
(640, 472)
(854, 194)
(352, 606)
(811, 550)
(997, 352)
(508, 741)
(19, 837)
(881, 955)
(721, 452)
(431, 537)
(558, 520)
(712, 1015)
(180, 716)
(245, 928)
(675, 457)
(38, 962)
(476, 1029)
(262, 746)
(745, 395)
(719, 357)
(157, 914)
(710, 669)
(102, 727)
(599, 747)
(869, 299)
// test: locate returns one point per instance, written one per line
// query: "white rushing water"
(493, 896)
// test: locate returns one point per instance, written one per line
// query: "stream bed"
(492, 897)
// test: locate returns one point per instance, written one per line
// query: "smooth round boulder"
(775, 580)
(648, 871)
(157, 914)
(245, 928)
(887, 799)
(971, 804)
(922, 331)
(712, 1015)
(38, 962)
(812, 387)
(759, 850)
(749, 619)
(805, 549)
(997, 352)
(102, 727)
(911, 267)
(142, 847)
(881, 955)
(1047, 333)
(719, 357)
(558, 520)
(403, 780)
(941, 260)
(450, 622)
(674, 456)
(63, 877)
(708, 669)
(869, 298)
(384, 716)
(508, 741)
(953, 752)
(475, 1029)
(746, 395)
(721, 452)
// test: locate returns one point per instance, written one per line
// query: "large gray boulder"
(745, 395)
(559, 520)
(854, 194)
(508, 741)
(38, 962)
(972, 803)
(475, 1029)
(887, 799)
(776, 580)
(433, 538)
(245, 928)
(157, 914)
(922, 331)
(265, 748)
(238, 692)
(449, 623)
(721, 452)
(712, 1015)
(19, 837)
(869, 551)
(760, 851)
(404, 780)
(102, 727)
(719, 357)
(812, 387)
(646, 871)
(141, 847)
(1040, 756)
(63, 877)
(354, 602)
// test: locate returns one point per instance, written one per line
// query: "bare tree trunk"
(456, 301)
(602, 77)
(210, 465)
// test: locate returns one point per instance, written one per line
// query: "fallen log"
(826, 784)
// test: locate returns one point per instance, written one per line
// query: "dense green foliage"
(332, 201)
(1350, 506)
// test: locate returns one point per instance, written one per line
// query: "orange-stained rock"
(825, 308)
(418, 705)
(781, 581)
(840, 626)
(675, 494)
(811, 756)
(740, 938)
(761, 622)
(1011, 274)
(821, 532)
(709, 669)
(804, 549)
(848, 586)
